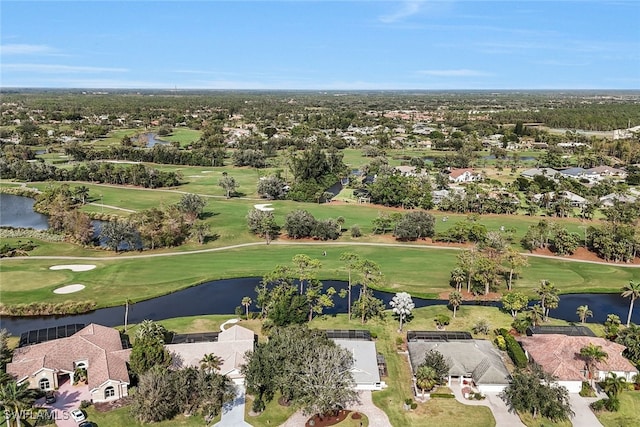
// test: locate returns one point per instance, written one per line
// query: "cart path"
(290, 243)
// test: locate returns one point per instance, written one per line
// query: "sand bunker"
(264, 207)
(73, 267)
(69, 289)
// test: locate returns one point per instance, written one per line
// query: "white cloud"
(25, 49)
(57, 69)
(409, 8)
(453, 73)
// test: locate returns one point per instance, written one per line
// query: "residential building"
(231, 346)
(365, 369)
(533, 172)
(464, 175)
(559, 355)
(96, 348)
(469, 360)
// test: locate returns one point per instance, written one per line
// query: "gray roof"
(478, 358)
(548, 172)
(365, 365)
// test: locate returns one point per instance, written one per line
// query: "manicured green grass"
(122, 417)
(184, 136)
(273, 415)
(421, 272)
(529, 421)
(627, 416)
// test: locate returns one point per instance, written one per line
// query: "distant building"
(464, 175)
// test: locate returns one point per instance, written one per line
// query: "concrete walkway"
(233, 412)
(499, 409)
(584, 416)
(377, 417)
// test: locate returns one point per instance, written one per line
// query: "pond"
(17, 211)
(223, 296)
(152, 141)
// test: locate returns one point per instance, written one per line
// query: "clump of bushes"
(587, 390)
(514, 350)
(45, 308)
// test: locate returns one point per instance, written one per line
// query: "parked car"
(50, 397)
(77, 415)
(86, 424)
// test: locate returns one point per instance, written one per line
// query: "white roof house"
(467, 359)
(365, 363)
(231, 347)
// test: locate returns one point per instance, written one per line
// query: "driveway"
(377, 417)
(584, 416)
(68, 398)
(499, 409)
(233, 412)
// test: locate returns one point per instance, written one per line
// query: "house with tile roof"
(468, 359)
(96, 348)
(559, 355)
(231, 346)
(464, 175)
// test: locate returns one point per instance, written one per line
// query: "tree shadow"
(211, 238)
(205, 215)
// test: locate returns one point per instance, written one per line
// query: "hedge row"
(45, 308)
(443, 395)
(514, 350)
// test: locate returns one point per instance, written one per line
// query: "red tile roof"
(97, 345)
(559, 355)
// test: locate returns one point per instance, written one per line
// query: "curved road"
(289, 243)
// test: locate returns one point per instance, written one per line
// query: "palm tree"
(631, 291)
(458, 277)
(592, 354)
(82, 193)
(547, 291)
(210, 363)
(614, 384)
(535, 314)
(455, 299)
(426, 378)
(351, 261)
(16, 398)
(583, 312)
(246, 301)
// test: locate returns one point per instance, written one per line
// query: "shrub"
(408, 401)
(443, 395)
(586, 390)
(481, 327)
(414, 405)
(598, 405)
(500, 342)
(442, 320)
(514, 350)
(85, 404)
(355, 231)
(612, 404)
(373, 335)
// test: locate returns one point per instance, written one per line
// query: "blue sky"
(437, 44)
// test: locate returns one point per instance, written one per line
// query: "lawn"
(122, 418)
(629, 414)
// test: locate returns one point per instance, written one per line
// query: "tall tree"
(305, 267)
(370, 274)
(592, 354)
(16, 398)
(458, 277)
(228, 184)
(514, 302)
(546, 292)
(515, 261)
(583, 312)
(263, 224)
(246, 302)
(402, 305)
(192, 205)
(631, 291)
(467, 260)
(455, 299)
(534, 392)
(351, 261)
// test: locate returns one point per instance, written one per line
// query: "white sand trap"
(195, 176)
(264, 207)
(69, 289)
(206, 171)
(73, 267)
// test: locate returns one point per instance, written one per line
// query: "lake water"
(151, 140)
(223, 296)
(17, 211)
